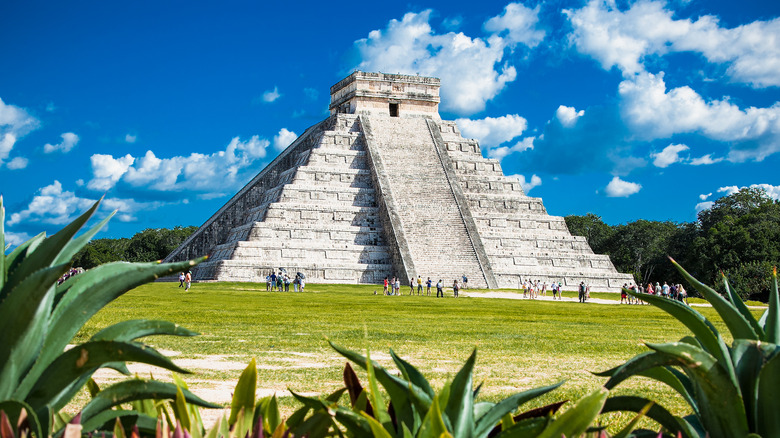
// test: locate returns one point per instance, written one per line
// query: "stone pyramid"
(384, 187)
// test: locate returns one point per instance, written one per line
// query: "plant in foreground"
(39, 375)
(732, 390)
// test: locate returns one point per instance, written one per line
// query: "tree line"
(738, 236)
(148, 245)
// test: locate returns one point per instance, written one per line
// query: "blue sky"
(628, 110)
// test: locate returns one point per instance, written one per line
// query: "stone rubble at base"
(384, 187)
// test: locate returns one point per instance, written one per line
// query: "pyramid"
(384, 187)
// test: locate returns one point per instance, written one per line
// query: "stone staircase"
(431, 221)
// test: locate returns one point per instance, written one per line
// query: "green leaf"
(767, 403)
(47, 250)
(377, 402)
(576, 420)
(738, 325)
(433, 424)
(244, 393)
(83, 360)
(487, 422)
(16, 257)
(137, 389)
(92, 291)
(705, 332)
(412, 374)
(772, 320)
(13, 408)
(138, 328)
(657, 413)
(721, 407)
(2, 246)
(529, 427)
(460, 406)
(23, 322)
(624, 433)
(73, 246)
(749, 358)
(737, 302)
(180, 409)
(377, 429)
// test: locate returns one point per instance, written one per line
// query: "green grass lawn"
(521, 344)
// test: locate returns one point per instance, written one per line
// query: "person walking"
(582, 292)
(419, 285)
(439, 289)
(181, 279)
(385, 293)
(187, 281)
(411, 286)
(428, 286)
(455, 288)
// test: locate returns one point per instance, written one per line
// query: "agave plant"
(731, 390)
(415, 410)
(39, 374)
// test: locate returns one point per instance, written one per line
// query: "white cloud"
(517, 24)
(655, 112)
(568, 116)
(701, 206)
(669, 156)
(728, 190)
(69, 140)
(17, 163)
(528, 185)
(705, 160)
(283, 139)
(472, 70)
(501, 152)
(271, 95)
(492, 131)
(772, 191)
(617, 188)
(52, 205)
(704, 196)
(106, 170)
(196, 172)
(15, 123)
(16, 239)
(625, 38)
(130, 138)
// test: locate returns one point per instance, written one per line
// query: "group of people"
(673, 292)
(281, 282)
(71, 272)
(185, 280)
(393, 286)
(532, 289)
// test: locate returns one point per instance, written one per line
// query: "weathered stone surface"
(384, 187)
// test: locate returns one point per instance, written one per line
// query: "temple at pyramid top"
(383, 187)
(392, 95)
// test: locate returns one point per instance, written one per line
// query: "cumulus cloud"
(704, 196)
(568, 116)
(17, 163)
(271, 95)
(501, 152)
(653, 112)
(623, 39)
(15, 123)
(701, 206)
(517, 24)
(69, 140)
(705, 160)
(130, 138)
(56, 206)
(52, 205)
(199, 173)
(669, 156)
(15, 239)
(492, 131)
(617, 188)
(472, 70)
(535, 181)
(284, 138)
(772, 191)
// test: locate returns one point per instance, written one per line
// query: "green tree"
(595, 231)
(641, 248)
(147, 246)
(101, 251)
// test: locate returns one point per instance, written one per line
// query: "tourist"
(623, 294)
(665, 290)
(544, 288)
(554, 288)
(455, 288)
(286, 282)
(465, 281)
(187, 281)
(649, 290)
(439, 289)
(273, 280)
(181, 279)
(279, 281)
(398, 286)
(268, 282)
(411, 286)
(524, 286)
(303, 283)
(386, 293)
(683, 294)
(582, 292)
(428, 286)
(419, 285)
